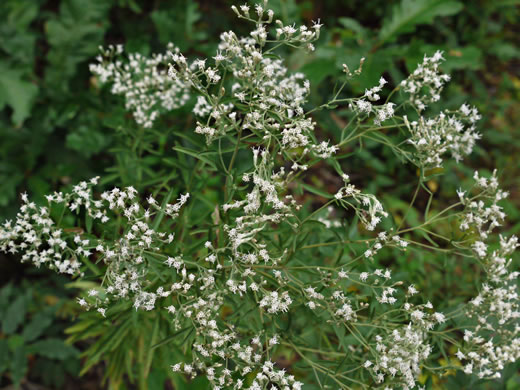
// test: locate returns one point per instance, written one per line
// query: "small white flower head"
(439, 317)
(412, 290)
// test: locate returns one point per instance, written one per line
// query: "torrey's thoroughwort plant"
(256, 275)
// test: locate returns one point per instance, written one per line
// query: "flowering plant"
(256, 275)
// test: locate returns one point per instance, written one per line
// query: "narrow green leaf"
(169, 339)
(160, 215)
(316, 191)
(197, 155)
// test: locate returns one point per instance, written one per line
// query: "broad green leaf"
(5, 293)
(156, 379)
(176, 24)
(354, 25)
(18, 38)
(53, 348)
(317, 70)
(15, 341)
(469, 57)
(73, 37)
(4, 355)
(9, 182)
(505, 51)
(131, 4)
(87, 141)
(18, 365)
(22, 13)
(37, 326)
(17, 92)
(14, 315)
(410, 13)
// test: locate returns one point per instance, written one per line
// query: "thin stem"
(411, 204)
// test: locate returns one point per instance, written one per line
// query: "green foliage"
(410, 13)
(14, 315)
(134, 345)
(178, 20)
(30, 333)
(16, 92)
(54, 117)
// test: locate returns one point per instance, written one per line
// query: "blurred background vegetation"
(57, 127)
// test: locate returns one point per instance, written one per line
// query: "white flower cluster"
(398, 356)
(143, 81)
(275, 303)
(367, 207)
(425, 84)
(495, 339)
(266, 372)
(302, 36)
(274, 97)
(385, 240)
(482, 216)
(260, 201)
(364, 104)
(433, 137)
(451, 132)
(36, 235)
